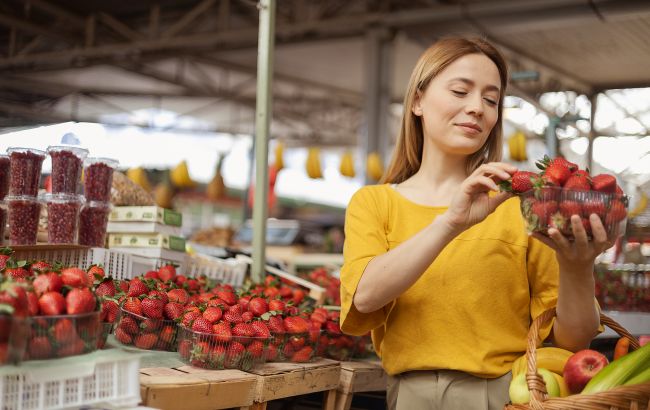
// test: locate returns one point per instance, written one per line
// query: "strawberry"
(319, 315)
(106, 288)
(16, 272)
(178, 295)
(233, 316)
(75, 278)
(244, 330)
(271, 353)
(296, 324)
(258, 306)
(557, 170)
(159, 294)
(52, 304)
(227, 296)
(80, 300)
(616, 212)
(521, 181)
(5, 254)
(594, 206)
(286, 292)
(234, 354)
(40, 348)
(137, 287)
(123, 286)
(297, 342)
(603, 183)
(560, 222)
(333, 328)
(222, 332)
(168, 334)
(212, 314)
(123, 337)
(277, 305)
(47, 282)
(192, 285)
(152, 307)
(303, 355)
(110, 309)
(173, 310)
(255, 349)
(39, 267)
(189, 317)
(276, 325)
(150, 325)
(73, 348)
(184, 348)
(297, 296)
(64, 332)
(544, 209)
(244, 301)
(145, 340)
(579, 181)
(261, 330)
(201, 325)
(32, 303)
(129, 325)
(152, 274)
(167, 272)
(247, 317)
(133, 305)
(95, 273)
(568, 208)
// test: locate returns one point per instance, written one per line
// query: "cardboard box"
(146, 240)
(143, 227)
(146, 214)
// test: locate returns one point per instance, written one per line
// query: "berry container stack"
(4, 189)
(23, 205)
(93, 219)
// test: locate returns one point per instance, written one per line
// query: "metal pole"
(593, 99)
(263, 114)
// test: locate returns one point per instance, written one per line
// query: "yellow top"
(471, 309)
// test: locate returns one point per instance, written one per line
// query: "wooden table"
(357, 377)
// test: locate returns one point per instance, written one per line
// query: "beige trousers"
(446, 390)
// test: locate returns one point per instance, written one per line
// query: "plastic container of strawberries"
(13, 338)
(552, 207)
(211, 351)
(106, 329)
(62, 336)
(145, 333)
(294, 347)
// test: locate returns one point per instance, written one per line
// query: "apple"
(581, 367)
(518, 390)
(644, 339)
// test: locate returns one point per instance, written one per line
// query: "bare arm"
(389, 275)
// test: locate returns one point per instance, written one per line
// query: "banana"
(374, 166)
(279, 156)
(551, 358)
(347, 165)
(564, 389)
(313, 164)
(641, 205)
(517, 147)
(139, 176)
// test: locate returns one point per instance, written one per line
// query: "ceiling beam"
(60, 12)
(119, 27)
(188, 18)
(32, 28)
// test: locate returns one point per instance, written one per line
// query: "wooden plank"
(200, 389)
(280, 380)
(362, 376)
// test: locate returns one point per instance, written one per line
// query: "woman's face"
(459, 107)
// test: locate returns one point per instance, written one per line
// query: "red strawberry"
(271, 353)
(222, 332)
(167, 272)
(64, 332)
(106, 288)
(258, 306)
(95, 273)
(123, 337)
(75, 278)
(247, 317)
(201, 325)
(333, 328)
(80, 300)
(145, 340)
(276, 325)
(277, 305)
(5, 254)
(173, 310)
(152, 307)
(16, 272)
(297, 296)
(579, 181)
(52, 304)
(569, 208)
(32, 303)
(297, 342)
(245, 330)
(40, 348)
(152, 274)
(184, 348)
(137, 287)
(110, 309)
(233, 316)
(255, 349)
(168, 334)
(319, 315)
(189, 317)
(521, 181)
(73, 348)
(557, 170)
(129, 325)
(227, 296)
(178, 295)
(296, 324)
(603, 183)
(39, 267)
(212, 314)
(159, 295)
(544, 209)
(616, 212)
(560, 222)
(594, 206)
(303, 355)
(133, 305)
(123, 286)
(234, 354)
(261, 330)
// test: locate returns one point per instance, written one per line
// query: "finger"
(545, 240)
(493, 171)
(597, 230)
(511, 169)
(562, 242)
(498, 199)
(579, 234)
(482, 182)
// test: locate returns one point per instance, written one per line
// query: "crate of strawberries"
(560, 190)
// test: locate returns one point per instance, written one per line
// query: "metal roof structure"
(92, 60)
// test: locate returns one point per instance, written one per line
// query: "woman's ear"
(417, 104)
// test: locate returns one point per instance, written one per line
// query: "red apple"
(581, 367)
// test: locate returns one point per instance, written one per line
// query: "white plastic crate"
(230, 271)
(109, 377)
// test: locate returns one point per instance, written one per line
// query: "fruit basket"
(552, 207)
(145, 333)
(216, 352)
(622, 397)
(62, 336)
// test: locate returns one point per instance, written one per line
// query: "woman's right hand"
(473, 201)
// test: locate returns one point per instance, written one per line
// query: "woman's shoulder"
(373, 192)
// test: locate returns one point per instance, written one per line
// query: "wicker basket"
(636, 397)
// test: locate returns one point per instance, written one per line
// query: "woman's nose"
(474, 104)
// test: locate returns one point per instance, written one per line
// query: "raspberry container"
(13, 338)
(210, 351)
(145, 333)
(25, 170)
(93, 220)
(98, 177)
(3, 221)
(23, 215)
(62, 217)
(5, 164)
(294, 347)
(553, 206)
(66, 168)
(62, 335)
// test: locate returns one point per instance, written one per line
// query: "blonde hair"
(407, 156)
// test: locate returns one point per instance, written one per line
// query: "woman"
(439, 265)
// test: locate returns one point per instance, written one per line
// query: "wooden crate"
(281, 380)
(357, 377)
(188, 387)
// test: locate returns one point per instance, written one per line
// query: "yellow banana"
(551, 358)
(374, 166)
(139, 176)
(279, 156)
(313, 163)
(640, 206)
(347, 165)
(564, 389)
(517, 146)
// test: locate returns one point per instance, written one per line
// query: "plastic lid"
(24, 198)
(26, 150)
(62, 197)
(98, 204)
(113, 163)
(78, 151)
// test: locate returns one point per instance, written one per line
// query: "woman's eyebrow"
(489, 87)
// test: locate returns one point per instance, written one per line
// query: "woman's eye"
(490, 101)
(459, 93)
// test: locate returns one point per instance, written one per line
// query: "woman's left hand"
(579, 254)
